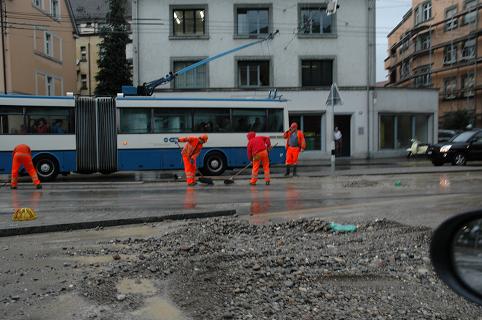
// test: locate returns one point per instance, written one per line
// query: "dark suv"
(463, 147)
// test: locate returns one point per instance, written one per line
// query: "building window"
(83, 81)
(55, 9)
(396, 131)
(404, 42)
(49, 86)
(450, 54)
(83, 53)
(316, 73)
(471, 8)
(194, 79)
(468, 84)
(405, 69)
(393, 75)
(253, 73)
(423, 42)
(423, 76)
(423, 12)
(189, 22)
(252, 21)
(451, 21)
(48, 44)
(314, 20)
(468, 51)
(450, 88)
(38, 3)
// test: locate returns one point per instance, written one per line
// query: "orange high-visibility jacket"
(193, 147)
(301, 139)
(22, 148)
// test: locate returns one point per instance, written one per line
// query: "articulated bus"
(87, 135)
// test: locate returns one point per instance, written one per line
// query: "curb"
(112, 223)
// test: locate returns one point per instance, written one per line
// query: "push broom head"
(24, 214)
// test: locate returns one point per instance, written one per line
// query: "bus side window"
(245, 120)
(49, 120)
(275, 120)
(172, 120)
(212, 120)
(135, 120)
(11, 120)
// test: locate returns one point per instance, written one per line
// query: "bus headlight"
(445, 149)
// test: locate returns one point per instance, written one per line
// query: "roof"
(94, 10)
(72, 17)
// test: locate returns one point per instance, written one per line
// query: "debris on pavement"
(224, 268)
(343, 227)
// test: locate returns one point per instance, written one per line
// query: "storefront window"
(311, 127)
(387, 132)
(397, 131)
(404, 131)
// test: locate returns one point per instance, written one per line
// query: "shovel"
(231, 180)
(202, 178)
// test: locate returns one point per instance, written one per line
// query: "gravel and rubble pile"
(225, 268)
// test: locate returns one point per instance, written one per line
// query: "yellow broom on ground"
(24, 214)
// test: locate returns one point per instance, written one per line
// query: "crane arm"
(147, 89)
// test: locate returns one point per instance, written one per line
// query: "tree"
(114, 70)
(457, 120)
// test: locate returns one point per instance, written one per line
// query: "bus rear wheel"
(47, 168)
(214, 164)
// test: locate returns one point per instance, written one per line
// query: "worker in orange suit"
(258, 148)
(22, 155)
(190, 152)
(295, 143)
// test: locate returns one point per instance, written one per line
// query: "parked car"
(446, 135)
(464, 147)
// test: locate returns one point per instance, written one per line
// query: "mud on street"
(270, 264)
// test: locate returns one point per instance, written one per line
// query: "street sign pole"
(334, 98)
(332, 89)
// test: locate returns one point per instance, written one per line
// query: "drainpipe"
(371, 16)
(135, 42)
(2, 23)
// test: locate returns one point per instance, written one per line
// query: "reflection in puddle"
(444, 182)
(157, 308)
(20, 201)
(260, 205)
(190, 198)
(136, 286)
(293, 198)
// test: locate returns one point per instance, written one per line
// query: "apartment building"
(37, 47)
(438, 45)
(311, 51)
(90, 17)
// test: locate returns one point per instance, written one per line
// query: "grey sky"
(389, 14)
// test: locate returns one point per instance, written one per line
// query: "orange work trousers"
(189, 169)
(260, 158)
(24, 159)
(292, 154)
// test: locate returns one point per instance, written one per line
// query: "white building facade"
(311, 51)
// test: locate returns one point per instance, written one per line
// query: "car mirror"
(456, 253)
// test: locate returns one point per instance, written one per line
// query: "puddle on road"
(136, 286)
(158, 308)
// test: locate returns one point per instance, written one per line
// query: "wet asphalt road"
(417, 199)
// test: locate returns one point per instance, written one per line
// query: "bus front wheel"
(214, 164)
(47, 168)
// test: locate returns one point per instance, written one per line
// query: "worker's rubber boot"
(287, 173)
(13, 187)
(39, 186)
(294, 172)
(267, 183)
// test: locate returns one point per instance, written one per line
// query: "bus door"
(96, 135)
